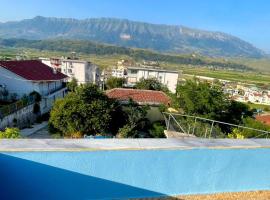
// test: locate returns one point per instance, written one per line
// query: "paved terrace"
(127, 144)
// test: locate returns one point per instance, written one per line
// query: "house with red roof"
(25, 76)
(143, 97)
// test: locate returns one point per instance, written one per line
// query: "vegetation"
(72, 85)
(260, 79)
(87, 47)
(202, 99)
(87, 110)
(114, 82)
(150, 84)
(242, 133)
(157, 130)
(135, 120)
(10, 133)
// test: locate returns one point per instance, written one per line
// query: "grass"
(261, 79)
(259, 106)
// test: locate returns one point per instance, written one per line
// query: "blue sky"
(247, 19)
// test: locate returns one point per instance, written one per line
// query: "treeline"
(88, 47)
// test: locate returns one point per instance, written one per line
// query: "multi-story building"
(25, 76)
(133, 73)
(82, 71)
(168, 78)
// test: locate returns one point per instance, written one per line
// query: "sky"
(247, 19)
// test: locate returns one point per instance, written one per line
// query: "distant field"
(245, 77)
(259, 106)
(262, 64)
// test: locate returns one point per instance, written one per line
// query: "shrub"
(157, 130)
(76, 135)
(10, 133)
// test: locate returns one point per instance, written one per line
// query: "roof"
(264, 119)
(150, 97)
(33, 70)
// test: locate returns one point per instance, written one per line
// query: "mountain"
(122, 32)
(88, 47)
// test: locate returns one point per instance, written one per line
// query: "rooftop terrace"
(127, 144)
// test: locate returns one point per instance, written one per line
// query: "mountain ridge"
(123, 32)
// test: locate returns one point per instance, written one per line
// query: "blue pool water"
(125, 174)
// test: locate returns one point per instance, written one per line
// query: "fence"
(13, 107)
(207, 128)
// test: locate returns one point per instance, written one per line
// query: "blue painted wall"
(123, 174)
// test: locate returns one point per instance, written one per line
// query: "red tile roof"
(33, 70)
(140, 96)
(264, 119)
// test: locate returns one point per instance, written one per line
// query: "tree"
(72, 85)
(209, 101)
(200, 98)
(135, 116)
(236, 112)
(114, 82)
(149, 84)
(87, 110)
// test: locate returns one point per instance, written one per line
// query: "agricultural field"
(257, 78)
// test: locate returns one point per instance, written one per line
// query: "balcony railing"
(206, 128)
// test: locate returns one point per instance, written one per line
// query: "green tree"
(149, 84)
(209, 101)
(200, 98)
(72, 85)
(87, 110)
(157, 130)
(135, 116)
(114, 82)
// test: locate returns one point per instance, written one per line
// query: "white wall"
(17, 84)
(167, 78)
(83, 71)
(21, 86)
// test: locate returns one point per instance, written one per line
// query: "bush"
(76, 135)
(157, 130)
(10, 133)
(114, 82)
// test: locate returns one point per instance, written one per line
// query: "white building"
(168, 78)
(25, 76)
(83, 71)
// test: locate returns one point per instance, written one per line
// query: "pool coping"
(17, 145)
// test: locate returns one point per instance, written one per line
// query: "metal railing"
(207, 128)
(13, 107)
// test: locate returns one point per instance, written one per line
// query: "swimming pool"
(121, 174)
